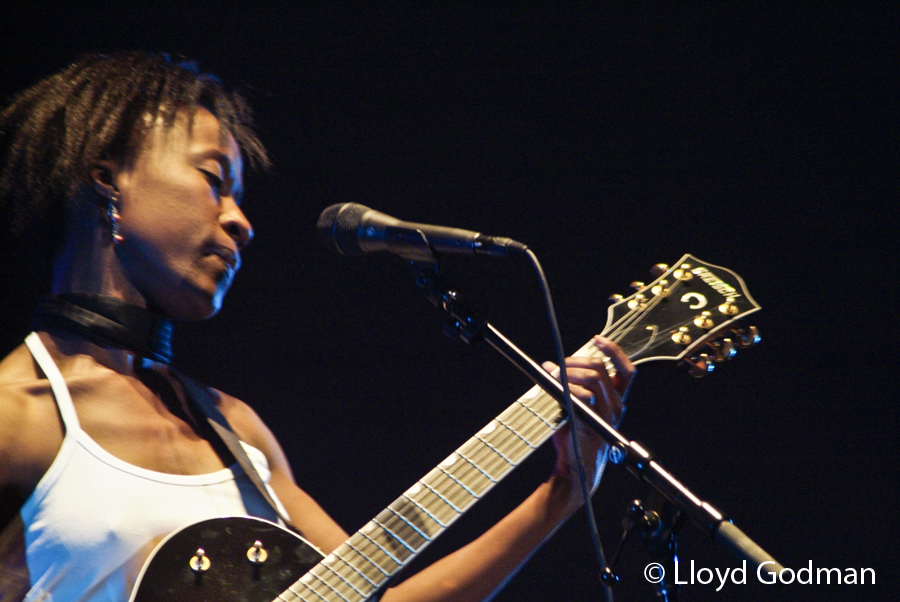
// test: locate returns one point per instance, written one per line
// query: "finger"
(615, 354)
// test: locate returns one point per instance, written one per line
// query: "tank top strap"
(57, 382)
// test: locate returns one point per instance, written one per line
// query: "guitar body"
(230, 576)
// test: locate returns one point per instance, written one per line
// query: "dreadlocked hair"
(100, 107)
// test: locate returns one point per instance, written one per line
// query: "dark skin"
(183, 230)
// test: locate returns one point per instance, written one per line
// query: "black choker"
(108, 321)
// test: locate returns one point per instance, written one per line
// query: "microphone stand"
(471, 327)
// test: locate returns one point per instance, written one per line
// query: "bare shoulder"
(30, 430)
(246, 423)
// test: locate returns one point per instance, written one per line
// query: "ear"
(103, 178)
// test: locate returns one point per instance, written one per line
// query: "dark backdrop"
(761, 139)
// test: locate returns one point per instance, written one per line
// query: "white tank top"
(93, 518)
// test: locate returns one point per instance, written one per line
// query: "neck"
(68, 349)
(87, 262)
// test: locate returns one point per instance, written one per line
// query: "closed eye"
(214, 180)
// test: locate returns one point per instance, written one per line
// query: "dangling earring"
(113, 214)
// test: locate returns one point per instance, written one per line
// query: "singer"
(122, 174)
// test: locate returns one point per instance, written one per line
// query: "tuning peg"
(729, 308)
(637, 302)
(682, 337)
(615, 298)
(704, 321)
(747, 337)
(659, 269)
(724, 350)
(683, 273)
(700, 366)
(636, 285)
(659, 289)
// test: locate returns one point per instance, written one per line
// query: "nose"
(236, 224)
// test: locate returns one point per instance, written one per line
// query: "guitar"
(691, 313)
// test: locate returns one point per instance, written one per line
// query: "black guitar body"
(174, 572)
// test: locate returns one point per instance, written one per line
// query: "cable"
(573, 430)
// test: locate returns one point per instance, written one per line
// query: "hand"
(591, 382)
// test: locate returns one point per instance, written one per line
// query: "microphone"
(352, 229)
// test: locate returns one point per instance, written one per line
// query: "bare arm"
(480, 568)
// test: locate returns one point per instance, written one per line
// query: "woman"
(124, 173)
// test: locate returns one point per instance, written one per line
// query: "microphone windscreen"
(337, 227)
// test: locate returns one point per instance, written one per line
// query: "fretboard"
(371, 556)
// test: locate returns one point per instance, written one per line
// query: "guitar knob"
(615, 298)
(257, 554)
(200, 562)
(747, 337)
(700, 366)
(682, 337)
(659, 269)
(636, 285)
(704, 321)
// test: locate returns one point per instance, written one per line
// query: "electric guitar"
(692, 312)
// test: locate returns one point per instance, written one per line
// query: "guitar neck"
(662, 320)
(375, 553)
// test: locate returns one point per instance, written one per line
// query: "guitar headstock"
(693, 312)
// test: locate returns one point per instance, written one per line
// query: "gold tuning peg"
(659, 269)
(700, 366)
(615, 298)
(681, 337)
(729, 308)
(747, 337)
(636, 285)
(683, 272)
(704, 321)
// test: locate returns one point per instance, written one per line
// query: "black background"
(763, 139)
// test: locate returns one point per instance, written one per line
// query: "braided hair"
(100, 107)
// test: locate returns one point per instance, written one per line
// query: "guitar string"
(620, 329)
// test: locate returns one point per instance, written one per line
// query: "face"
(180, 217)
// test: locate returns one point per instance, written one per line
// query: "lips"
(229, 257)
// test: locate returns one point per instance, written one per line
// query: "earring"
(113, 214)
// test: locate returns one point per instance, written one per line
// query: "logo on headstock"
(716, 283)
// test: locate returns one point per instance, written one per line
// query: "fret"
(438, 525)
(477, 480)
(357, 570)
(384, 541)
(472, 463)
(303, 591)
(438, 484)
(521, 420)
(450, 475)
(499, 453)
(462, 473)
(411, 523)
(287, 596)
(440, 509)
(485, 458)
(364, 545)
(353, 557)
(336, 574)
(328, 586)
(549, 424)
(514, 447)
(394, 536)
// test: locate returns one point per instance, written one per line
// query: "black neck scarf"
(108, 321)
